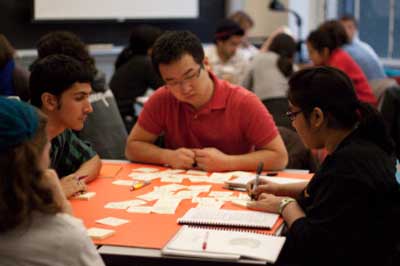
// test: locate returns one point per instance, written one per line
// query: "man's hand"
(181, 158)
(211, 159)
(71, 185)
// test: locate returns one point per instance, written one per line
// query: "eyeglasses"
(188, 79)
(292, 115)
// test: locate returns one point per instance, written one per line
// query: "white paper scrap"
(121, 182)
(172, 179)
(202, 188)
(85, 196)
(145, 170)
(99, 233)
(112, 221)
(196, 172)
(140, 209)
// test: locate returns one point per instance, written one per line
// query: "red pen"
(204, 246)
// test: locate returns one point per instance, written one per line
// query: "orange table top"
(143, 230)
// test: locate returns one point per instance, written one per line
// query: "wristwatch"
(284, 203)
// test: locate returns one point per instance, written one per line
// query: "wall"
(266, 21)
(16, 23)
(312, 13)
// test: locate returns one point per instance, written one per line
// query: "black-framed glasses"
(187, 79)
(292, 115)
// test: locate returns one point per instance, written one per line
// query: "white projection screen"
(115, 9)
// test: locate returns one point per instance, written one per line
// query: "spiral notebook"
(236, 218)
(224, 244)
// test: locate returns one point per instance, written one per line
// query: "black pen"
(257, 181)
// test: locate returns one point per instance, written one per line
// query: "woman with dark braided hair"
(349, 212)
(36, 226)
(268, 76)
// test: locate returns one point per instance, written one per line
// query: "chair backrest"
(390, 110)
(277, 108)
(104, 128)
(299, 156)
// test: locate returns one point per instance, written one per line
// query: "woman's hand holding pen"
(264, 186)
(266, 202)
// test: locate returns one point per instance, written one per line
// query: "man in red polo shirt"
(206, 122)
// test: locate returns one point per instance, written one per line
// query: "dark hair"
(227, 28)
(241, 18)
(141, 39)
(21, 189)
(332, 91)
(285, 46)
(348, 17)
(172, 45)
(66, 43)
(330, 34)
(6, 51)
(55, 74)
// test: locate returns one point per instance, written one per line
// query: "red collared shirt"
(233, 121)
(343, 61)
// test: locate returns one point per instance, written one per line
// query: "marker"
(230, 187)
(204, 245)
(257, 181)
(136, 185)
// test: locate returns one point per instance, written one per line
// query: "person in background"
(14, 80)
(360, 51)
(36, 226)
(281, 29)
(223, 57)
(325, 48)
(134, 74)
(206, 122)
(365, 57)
(352, 202)
(268, 76)
(60, 87)
(247, 49)
(104, 128)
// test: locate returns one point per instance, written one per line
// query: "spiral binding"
(205, 222)
(232, 229)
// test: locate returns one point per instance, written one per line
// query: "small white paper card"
(140, 209)
(85, 196)
(121, 182)
(145, 170)
(201, 188)
(196, 172)
(112, 221)
(173, 171)
(99, 233)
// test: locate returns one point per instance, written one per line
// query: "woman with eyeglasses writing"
(348, 214)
